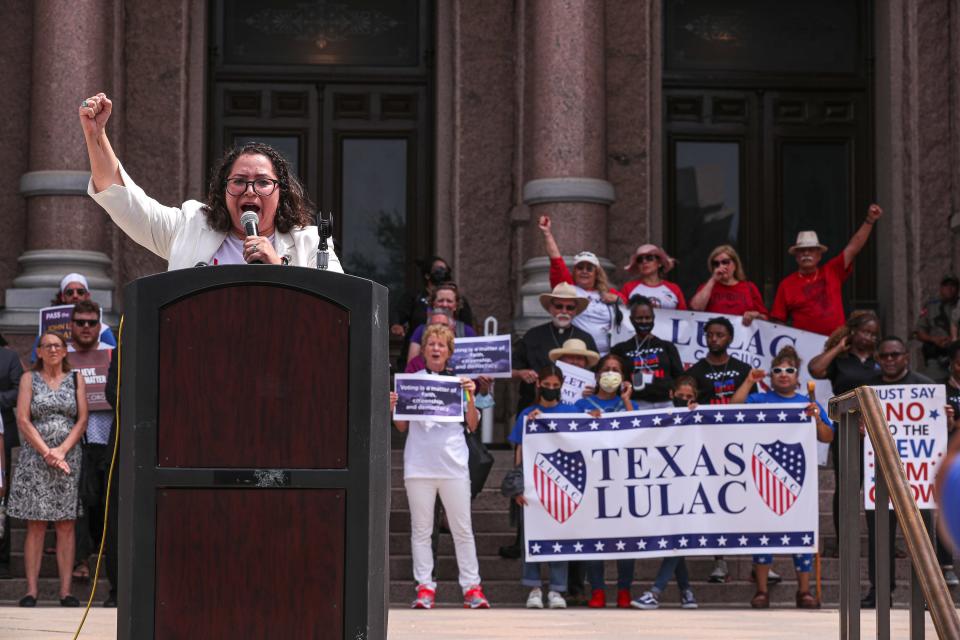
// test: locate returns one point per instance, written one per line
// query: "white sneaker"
(555, 600)
(535, 599)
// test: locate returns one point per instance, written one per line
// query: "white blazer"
(182, 236)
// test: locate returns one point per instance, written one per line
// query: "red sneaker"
(474, 599)
(598, 599)
(425, 597)
(623, 598)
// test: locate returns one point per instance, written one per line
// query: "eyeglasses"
(890, 355)
(565, 307)
(86, 323)
(585, 266)
(787, 370)
(649, 257)
(80, 291)
(51, 347)
(261, 186)
(724, 262)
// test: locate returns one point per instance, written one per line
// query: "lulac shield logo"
(778, 472)
(560, 478)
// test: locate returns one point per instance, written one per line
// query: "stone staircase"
(501, 577)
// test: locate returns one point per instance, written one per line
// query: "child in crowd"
(613, 394)
(549, 383)
(684, 395)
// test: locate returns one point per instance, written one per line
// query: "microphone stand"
(324, 230)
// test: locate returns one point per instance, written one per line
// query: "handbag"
(480, 462)
(512, 485)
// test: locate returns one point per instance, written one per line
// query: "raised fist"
(544, 224)
(94, 113)
(874, 213)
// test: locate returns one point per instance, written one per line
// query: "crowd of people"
(65, 447)
(595, 325)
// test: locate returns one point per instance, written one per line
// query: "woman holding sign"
(784, 381)
(435, 463)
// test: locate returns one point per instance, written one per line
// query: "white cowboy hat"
(575, 347)
(807, 240)
(564, 291)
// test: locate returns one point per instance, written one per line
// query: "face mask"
(439, 276)
(610, 381)
(680, 402)
(643, 328)
(550, 395)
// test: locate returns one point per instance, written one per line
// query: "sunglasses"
(585, 266)
(86, 323)
(724, 262)
(79, 291)
(787, 370)
(890, 355)
(565, 307)
(648, 257)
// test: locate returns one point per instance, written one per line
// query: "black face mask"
(642, 328)
(549, 395)
(680, 402)
(439, 276)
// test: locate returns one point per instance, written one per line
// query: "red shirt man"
(812, 296)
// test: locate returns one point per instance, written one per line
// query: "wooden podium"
(254, 478)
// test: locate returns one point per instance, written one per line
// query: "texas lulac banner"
(730, 480)
(756, 345)
(916, 417)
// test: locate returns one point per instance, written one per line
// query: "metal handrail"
(846, 410)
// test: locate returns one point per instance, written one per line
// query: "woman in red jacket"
(728, 290)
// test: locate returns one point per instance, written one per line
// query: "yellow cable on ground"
(106, 508)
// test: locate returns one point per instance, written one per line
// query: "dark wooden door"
(767, 131)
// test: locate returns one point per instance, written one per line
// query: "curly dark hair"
(294, 209)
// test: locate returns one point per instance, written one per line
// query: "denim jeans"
(558, 575)
(667, 568)
(624, 573)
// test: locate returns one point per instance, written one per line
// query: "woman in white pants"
(435, 462)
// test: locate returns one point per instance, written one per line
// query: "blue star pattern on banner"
(564, 423)
(726, 542)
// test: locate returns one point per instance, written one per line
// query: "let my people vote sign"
(482, 356)
(916, 417)
(428, 397)
(575, 380)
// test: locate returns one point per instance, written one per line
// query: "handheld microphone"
(249, 220)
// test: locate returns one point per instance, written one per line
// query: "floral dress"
(38, 491)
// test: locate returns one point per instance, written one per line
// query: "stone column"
(565, 138)
(66, 230)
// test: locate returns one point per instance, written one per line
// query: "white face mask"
(610, 381)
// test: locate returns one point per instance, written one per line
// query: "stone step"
(505, 593)
(493, 567)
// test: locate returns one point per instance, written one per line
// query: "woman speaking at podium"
(252, 177)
